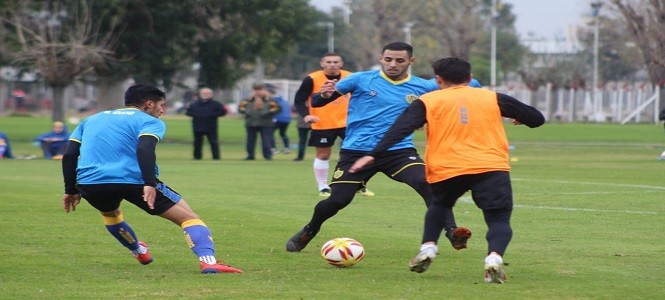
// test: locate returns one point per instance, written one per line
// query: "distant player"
(377, 98)
(327, 122)
(467, 150)
(111, 156)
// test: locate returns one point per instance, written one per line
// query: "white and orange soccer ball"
(342, 252)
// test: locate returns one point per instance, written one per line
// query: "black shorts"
(326, 137)
(107, 197)
(391, 164)
(489, 190)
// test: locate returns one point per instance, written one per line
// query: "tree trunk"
(59, 103)
(111, 94)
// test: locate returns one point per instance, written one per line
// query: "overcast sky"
(544, 18)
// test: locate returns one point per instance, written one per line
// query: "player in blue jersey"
(377, 99)
(111, 156)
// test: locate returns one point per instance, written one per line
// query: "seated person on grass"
(53, 143)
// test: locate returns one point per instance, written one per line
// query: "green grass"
(589, 223)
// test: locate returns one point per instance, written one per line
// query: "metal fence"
(618, 103)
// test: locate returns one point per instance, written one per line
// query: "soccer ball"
(342, 252)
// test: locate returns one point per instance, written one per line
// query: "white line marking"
(595, 183)
(467, 199)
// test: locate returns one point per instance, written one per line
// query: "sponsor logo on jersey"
(120, 112)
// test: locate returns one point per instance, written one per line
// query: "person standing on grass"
(111, 156)
(377, 99)
(327, 122)
(259, 111)
(205, 112)
(467, 149)
(282, 121)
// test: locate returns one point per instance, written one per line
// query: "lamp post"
(493, 47)
(347, 12)
(595, 11)
(331, 36)
(407, 35)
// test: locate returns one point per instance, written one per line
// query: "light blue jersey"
(376, 101)
(108, 145)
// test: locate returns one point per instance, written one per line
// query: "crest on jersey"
(338, 173)
(410, 98)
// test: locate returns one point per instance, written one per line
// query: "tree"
(645, 20)
(157, 39)
(237, 32)
(437, 29)
(60, 41)
(618, 58)
(510, 53)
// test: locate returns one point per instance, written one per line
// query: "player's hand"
(328, 88)
(515, 122)
(361, 162)
(309, 119)
(149, 195)
(69, 202)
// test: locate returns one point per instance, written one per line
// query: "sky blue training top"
(376, 101)
(108, 145)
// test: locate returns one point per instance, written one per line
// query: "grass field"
(589, 223)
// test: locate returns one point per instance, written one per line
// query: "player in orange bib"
(467, 150)
(327, 122)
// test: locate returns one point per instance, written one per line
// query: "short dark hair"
(140, 93)
(332, 54)
(452, 69)
(398, 46)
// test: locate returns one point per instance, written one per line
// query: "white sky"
(545, 18)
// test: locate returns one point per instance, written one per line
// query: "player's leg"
(343, 188)
(440, 217)
(321, 168)
(492, 193)
(124, 233)
(323, 140)
(446, 194)
(106, 199)
(407, 167)
(170, 205)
